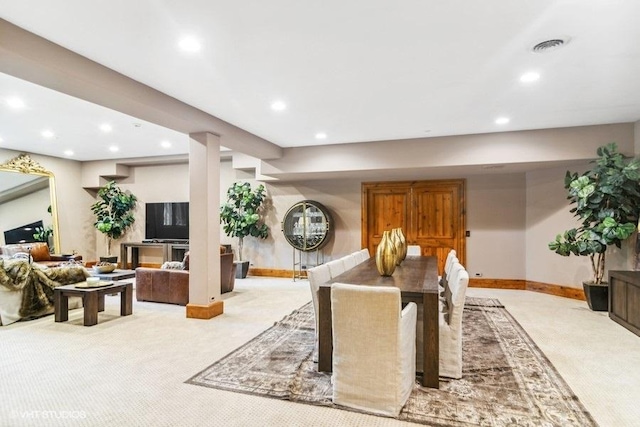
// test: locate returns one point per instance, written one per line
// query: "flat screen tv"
(167, 221)
(22, 234)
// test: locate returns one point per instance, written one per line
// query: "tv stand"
(172, 250)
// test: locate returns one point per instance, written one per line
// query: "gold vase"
(386, 255)
(403, 242)
(397, 242)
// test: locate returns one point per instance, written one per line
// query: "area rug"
(507, 380)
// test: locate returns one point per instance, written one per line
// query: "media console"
(171, 251)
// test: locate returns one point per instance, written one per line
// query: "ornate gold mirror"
(27, 193)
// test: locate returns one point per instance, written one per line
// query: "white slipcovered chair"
(350, 261)
(447, 266)
(450, 324)
(373, 348)
(317, 276)
(363, 255)
(414, 250)
(336, 267)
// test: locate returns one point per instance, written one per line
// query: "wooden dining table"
(417, 278)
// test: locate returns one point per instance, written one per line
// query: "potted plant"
(607, 200)
(113, 213)
(241, 217)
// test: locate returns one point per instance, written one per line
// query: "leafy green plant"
(113, 212)
(240, 215)
(42, 234)
(607, 200)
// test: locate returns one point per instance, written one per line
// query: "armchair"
(172, 286)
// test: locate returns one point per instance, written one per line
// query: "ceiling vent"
(549, 45)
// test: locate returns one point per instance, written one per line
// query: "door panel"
(387, 207)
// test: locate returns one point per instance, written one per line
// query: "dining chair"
(350, 261)
(364, 254)
(450, 324)
(447, 265)
(336, 267)
(317, 276)
(374, 346)
(414, 250)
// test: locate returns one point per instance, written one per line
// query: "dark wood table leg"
(126, 300)
(90, 302)
(325, 330)
(135, 257)
(101, 302)
(431, 341)
(61, 306)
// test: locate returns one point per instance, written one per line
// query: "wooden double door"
(430, 213)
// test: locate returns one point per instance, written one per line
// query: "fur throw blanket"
(37, 283)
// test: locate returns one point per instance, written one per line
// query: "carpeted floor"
(506, 378)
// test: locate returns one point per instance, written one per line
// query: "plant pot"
(242, 268)
(111, 259)
(597, 295)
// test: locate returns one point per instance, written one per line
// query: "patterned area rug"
(506, 381)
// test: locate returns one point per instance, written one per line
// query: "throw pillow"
(172, 265)
(40, 252)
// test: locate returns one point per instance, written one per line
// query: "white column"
(204, 228)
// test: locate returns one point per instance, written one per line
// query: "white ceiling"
(357, 70)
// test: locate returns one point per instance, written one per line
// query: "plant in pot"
(607, 200)
(241, 217)
(114, 214)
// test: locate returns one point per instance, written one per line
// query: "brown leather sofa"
(39, 252)
(172, 286)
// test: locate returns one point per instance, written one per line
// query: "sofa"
(26, 289)
(170, 283)
(39, 252)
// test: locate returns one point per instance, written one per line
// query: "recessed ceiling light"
(113, 149)
(47, 134)
(15, 102)
(278, 106)
(189, 44)
(68, 153)
(165, 144)
(502, 120)
(529, 77)
(106, 127)
(321, 135)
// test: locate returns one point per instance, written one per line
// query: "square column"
(204, 226)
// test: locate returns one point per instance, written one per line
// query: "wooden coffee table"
(92, 300)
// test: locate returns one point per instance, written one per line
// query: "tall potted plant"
(241, 217)
(607, 201)
(113, 213)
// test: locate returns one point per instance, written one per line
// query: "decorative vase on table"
(397, 243)
(402, 254)
(386, 255)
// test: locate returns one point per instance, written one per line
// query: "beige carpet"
(506, 379)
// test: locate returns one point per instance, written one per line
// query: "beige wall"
(496, 206)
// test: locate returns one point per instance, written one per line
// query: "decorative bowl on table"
(104, 267)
